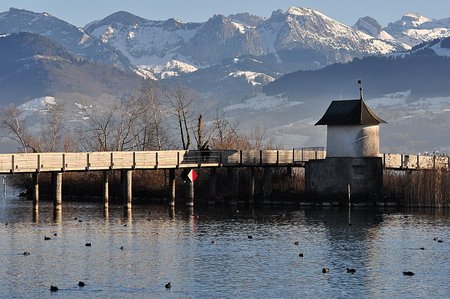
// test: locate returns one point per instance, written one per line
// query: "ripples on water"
(206, 253)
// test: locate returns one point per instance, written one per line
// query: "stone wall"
(328, 179)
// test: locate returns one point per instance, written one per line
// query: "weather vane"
(360, 89)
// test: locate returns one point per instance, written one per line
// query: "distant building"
(353, 154)
(352, 129)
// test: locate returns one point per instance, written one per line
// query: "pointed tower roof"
(349, 112)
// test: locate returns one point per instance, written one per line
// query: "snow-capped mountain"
(151, 43)
(73, 39)
(439, 47)
(34, 66)
(371, 27)
(143, 41)
(413, 29)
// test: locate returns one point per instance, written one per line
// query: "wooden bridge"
(126, 162)
(142, 160)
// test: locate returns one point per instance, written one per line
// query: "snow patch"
(240, 27)
(252, 77)
(38, 104)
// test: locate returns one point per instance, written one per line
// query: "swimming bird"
(54, 288)
(440, 241)
(296, 243)
(300, 254)
(121, 247)
(26, 253)
(88, 244)
(408, 273)
(350, 270)
(55, 234)
(168, 285)
(47, 238)
(250, 237)
(422, 248)
(325, 270)
(81, 284)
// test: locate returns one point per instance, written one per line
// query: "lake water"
(206, 252)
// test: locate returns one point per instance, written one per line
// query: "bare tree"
(153, 134)
(225, 133)
(181, 101)
(52, 131)
(47, 137)
(96, 132)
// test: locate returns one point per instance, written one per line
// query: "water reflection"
(57, 216)
(35, 215)
(128, 215)
(106, 212)
(206, 252)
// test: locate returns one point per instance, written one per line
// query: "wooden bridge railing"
(400, 161)
(51, 162)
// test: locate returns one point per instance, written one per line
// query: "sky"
(81, 12)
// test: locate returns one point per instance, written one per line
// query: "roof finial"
(360, 90)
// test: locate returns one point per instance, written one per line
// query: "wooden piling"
(35, 190)
(172, 187)
(57, 190)
(127, 187)
(189, 189)
(106, 189)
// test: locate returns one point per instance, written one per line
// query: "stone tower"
(353, 154)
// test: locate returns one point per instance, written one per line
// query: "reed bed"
(426, 188)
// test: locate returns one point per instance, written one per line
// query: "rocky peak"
(369, 26)
(247, 19)
(408, 21)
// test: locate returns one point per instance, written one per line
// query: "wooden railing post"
(157, 159)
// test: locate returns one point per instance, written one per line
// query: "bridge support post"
(172, 188)
(36, 191)
(267, 187)
(106, 189)
(212, 187)
(57, 190)
(127, 187)
(251, 196)
(189, 189)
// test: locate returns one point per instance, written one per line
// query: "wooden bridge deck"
(85, 161)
